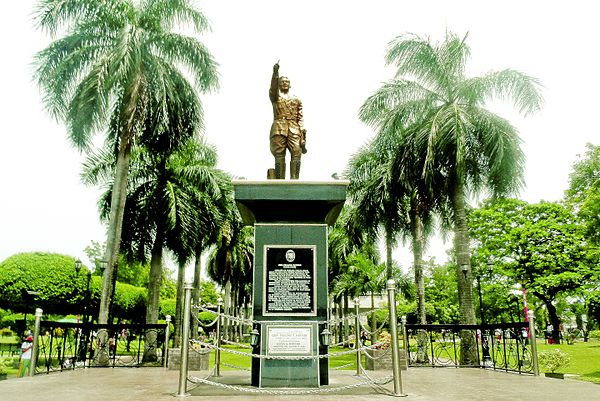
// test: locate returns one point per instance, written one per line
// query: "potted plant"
(553, 360)
(3, 369)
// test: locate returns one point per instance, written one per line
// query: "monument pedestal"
(290, 283)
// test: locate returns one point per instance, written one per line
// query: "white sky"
(332, 51)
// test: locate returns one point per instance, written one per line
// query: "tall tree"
(231, 260)
(121, 68)
(541, 246)
(448, 126)
(175, 200)
(584, 190)
(375, 209)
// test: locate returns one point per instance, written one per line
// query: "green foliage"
(553, 360)
(594, 334)
(167, 307)
(542, 246)
(5, 364)
(441, 293)
(60, 289)
(208, 292)
(168, 287)
(130, 302)
(206, 317)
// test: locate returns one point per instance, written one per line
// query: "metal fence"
(503, 346)
(63, 345)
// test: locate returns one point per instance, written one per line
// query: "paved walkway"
(141, 384)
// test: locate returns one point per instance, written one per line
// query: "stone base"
(197, 360)
(383, 359)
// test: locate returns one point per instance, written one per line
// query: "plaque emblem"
(290, 256)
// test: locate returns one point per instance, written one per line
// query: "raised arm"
(274, 89)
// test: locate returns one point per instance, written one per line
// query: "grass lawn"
(585, 358)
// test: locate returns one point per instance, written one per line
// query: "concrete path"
(140, 384)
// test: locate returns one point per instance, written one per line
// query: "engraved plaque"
(289, 281)
(289, 340)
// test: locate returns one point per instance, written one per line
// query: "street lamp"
(78, 266)
(101, 266)
(254, 337)
(325, 337)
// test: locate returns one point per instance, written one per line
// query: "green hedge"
(61, 290)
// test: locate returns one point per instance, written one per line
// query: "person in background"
(25, 364)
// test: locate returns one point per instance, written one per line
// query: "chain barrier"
(344, 366)
(380, 382)
(373, 358)
(240, 345)
(202, 324)
(284, 357)
(252, 321)
(378, 329)
(236, 367)
(228, 317)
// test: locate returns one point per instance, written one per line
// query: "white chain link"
(236, 367)
(373, 358)
(285, 357)
(384, 380)
(252, 321)
(240, 345)
(202, 324)
(378, 329)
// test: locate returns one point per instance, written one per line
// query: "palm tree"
(174, 201)
(446, 124)
(122, 69)
(230, 262)
(375, 207)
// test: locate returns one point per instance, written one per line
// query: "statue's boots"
(295, 169)
(280, 168)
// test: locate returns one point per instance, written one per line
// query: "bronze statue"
(287, 131)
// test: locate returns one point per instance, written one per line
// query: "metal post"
(391, 289)
(532, 335)
(185, 341)
(218, 339)
(357, 334)
(167, 334)
(405, 337)
(36, 341)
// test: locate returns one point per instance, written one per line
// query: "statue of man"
(287, 131)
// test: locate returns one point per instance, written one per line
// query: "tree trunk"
(154, 284)
(179, 305)
(227, 310)
(373, 320)
(113, 242)
(418, 245)
(346, 312)
(340, 313)
(196, 290)
(552, 315)
(388, 254)
(468, 355)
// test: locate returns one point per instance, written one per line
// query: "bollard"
(391, 287)
(36, 341)
(218, 339)
(167, 333)
(357, 334)
(185, 341)
(532, 336)
(405, 338)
